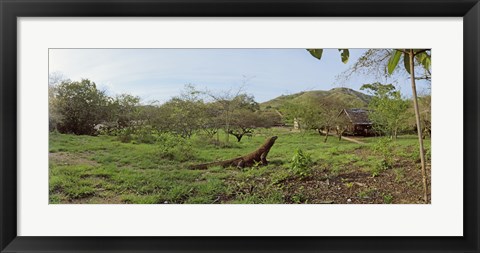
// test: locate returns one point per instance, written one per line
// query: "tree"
(409, 58)
(229, 101)
(54, 116)
(212, 121)
(388, 111)
(182, 115)
(425, 107)
(245, 121)
(320, 114)
(330, 109)
(81, 106)
(125, 110)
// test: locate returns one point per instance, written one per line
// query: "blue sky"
(159, 74)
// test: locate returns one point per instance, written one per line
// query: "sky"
(159, 74)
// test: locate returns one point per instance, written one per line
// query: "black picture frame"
(10, 10)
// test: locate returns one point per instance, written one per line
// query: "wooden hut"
(356, 122)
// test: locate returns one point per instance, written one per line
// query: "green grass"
(101, 169)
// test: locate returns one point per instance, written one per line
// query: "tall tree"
(182, 115)
(230, 101)
(389, 111)
(81, 106)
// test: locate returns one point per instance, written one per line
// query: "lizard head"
(273, 138)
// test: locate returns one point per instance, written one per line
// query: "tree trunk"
(326, 135)
(340, 135)
(419, 127)
(239, 137)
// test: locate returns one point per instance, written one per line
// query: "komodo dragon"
(259, 155)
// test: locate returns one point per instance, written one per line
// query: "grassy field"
(101, 169)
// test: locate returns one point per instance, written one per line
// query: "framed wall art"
(239, 126)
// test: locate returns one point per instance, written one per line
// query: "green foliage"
(425, 59)
(421, 55)
(393, 62)
(124, 135)
(301, 163)
(399, 174)
(175, 148)
(406, 62)
(387, 198)
(145, 134)
(80, 106)
(367, 193)
(379, 167)
(317, 53)
(124, 110)
(385, 149)
(388, 110)
(345, 54)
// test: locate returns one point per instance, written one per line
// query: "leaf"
(317, 53)
(406, 61)
(393, 62)
(345, 55)
(425, 59)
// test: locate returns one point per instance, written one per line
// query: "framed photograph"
(239, 126)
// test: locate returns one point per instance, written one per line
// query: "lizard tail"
(205, 166)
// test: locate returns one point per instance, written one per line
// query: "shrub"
(124, 135)
(384, 148)
(301, 163)
(145, 134)
(174, 147)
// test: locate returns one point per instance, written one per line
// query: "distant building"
(356, 122)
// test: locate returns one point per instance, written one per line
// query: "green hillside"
(353, 98)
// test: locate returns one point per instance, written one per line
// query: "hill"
(354, 98)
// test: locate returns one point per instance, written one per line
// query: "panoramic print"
(239, 126)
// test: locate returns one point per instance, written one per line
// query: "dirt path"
(346, 138)
(352, 140)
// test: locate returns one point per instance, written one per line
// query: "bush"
(385, 148)
(124, 135)
(145, 134)
(174, 147)
(301, 163)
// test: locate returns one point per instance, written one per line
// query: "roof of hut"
(357, 116)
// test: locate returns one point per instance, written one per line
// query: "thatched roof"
(357, 116)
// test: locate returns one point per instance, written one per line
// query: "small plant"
(335, 170)
(379, 167)
(301, 163)
(279, 177)
(349, 185)
(384, 148)
(365, 194)
(387, 198)
(399, 174)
